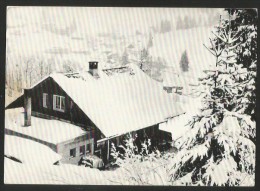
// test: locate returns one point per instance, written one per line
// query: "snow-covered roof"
(28, 151)
(178, 126)
(51, 131)
(122, 102)
(184, 80)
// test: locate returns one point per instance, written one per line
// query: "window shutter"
(43, 100)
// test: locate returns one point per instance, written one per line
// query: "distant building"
(102, 106)
(172, 82)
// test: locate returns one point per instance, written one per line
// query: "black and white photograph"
(157, 96)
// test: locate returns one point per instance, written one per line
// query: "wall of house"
(64, 148)
(79, 118)
(50, 87)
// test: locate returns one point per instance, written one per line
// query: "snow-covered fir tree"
(219, 149)
(245, 23)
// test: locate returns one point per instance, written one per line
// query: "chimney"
(27, 107)
(93, 68)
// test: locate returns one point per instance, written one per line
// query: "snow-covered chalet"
(103, 105)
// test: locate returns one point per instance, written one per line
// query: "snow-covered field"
(17, 173)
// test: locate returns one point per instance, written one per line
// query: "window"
(72, 152)
(82, 150)
(45, 100)
(58, 103)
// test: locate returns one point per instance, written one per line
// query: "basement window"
(45, 100)
(58, 103)
(73, 152)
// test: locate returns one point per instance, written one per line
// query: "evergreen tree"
(218, 150)
(184, 63)
(245, 23)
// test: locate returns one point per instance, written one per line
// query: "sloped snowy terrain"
(17, 173)
(171, 46)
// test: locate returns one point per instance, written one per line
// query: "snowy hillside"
(171, 45)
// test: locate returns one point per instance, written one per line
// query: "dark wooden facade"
(71, 114)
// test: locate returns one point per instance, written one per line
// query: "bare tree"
(41, 66)
(28, 69)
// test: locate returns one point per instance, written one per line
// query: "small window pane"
(73, 152)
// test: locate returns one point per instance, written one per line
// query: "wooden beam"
(27, 107)
(108, 150)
